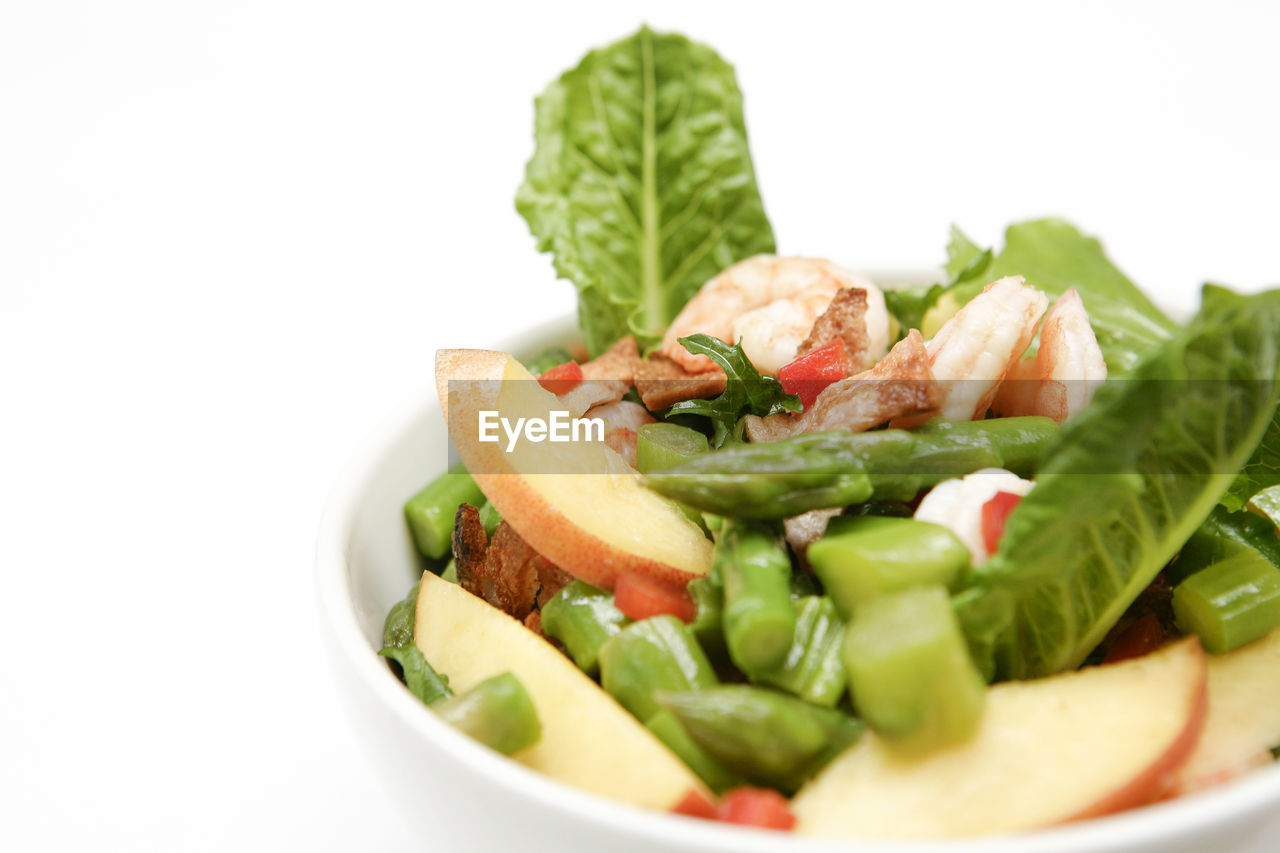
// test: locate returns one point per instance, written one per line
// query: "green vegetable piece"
(662, 445)
(1132, 476)
(872, 556)
(659, 653)
(767, 737)
(1260, 473)
(1230, 603)
(908, 305)
(490, 518)
(642, 201)
(759, 619)
(397, 641)
(909, 669)
(548, 359)
(431, 511)
(708, 626)
(1266, 503)
(1055, 256)
(814, 666)
(667, 729)
(779, 479)
(1224, 534)
(497, 712)
(746, 391)
(927, 309)
(397, 628)
(582, 618)
(419, 676)
(450, 572)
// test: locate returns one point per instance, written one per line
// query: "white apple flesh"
(588, 740)
(1242, 723)
(1057, 749)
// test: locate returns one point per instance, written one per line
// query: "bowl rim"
(1166, 821)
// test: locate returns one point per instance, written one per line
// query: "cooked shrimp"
(974, 350)
(1061, 378)
(957, 505)
(769, 305)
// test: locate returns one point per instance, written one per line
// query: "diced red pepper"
(641, 596)
(761, 807)
(809, 374)
(562, 378)
(695, 804)
(1142, 637)
(995, 513)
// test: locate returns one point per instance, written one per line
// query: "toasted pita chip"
(504, 571)
(662, 383)
(845, 319)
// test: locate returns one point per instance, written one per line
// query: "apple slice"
(1076, 745)
(588, 740)
(578, 503)
(1243, 719)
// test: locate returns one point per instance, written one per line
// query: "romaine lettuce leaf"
(641, 184)
(1054, 256)
(1262, 471)
(1129, 479)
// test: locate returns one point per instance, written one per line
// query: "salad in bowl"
(781, 545)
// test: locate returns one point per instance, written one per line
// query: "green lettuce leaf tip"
(641, 184)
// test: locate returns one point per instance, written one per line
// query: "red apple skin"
(1156, 781)
(568, 545)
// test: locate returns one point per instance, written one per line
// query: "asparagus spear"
(667, 729)
(1231, 602)
(430, 512)
(862, 558)
(759, 618)
(828, 469)
(659, 653)
(490, 518)
(909, 669)
(813, 668)
(768, 737)
(664, 444)
(708, 626)
(497, 712)
(582, 618)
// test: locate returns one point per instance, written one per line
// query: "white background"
(232, 235)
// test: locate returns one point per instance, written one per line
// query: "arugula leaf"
(397, 641)
(908, 305)
(1129, 480)
(747, 392)
(965, 259)
(641, 184)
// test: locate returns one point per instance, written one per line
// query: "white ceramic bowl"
(462, 796)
